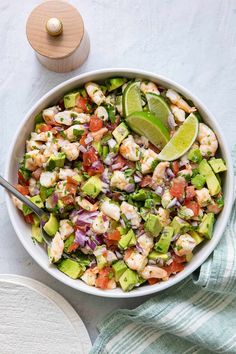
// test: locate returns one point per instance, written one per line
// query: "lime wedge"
(158, 107)
(181, 142)
(132, 99)
(146, 124)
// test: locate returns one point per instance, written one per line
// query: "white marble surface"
(192, 42)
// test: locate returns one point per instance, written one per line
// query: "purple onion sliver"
(170, 173)
(55, 198)
(88, 140)
(169, 261)
(139, 248)
(118, 255)
(82, 149)
(80, 238)
(137, 179)
(178, 204)
(91, 244)
(175, 237)
(159, 191)
(172, 203)
(93, 263)
(116, 166)
(130, 188)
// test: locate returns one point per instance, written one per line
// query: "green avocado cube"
(122, 230)
(163, 244)
(180, 226)
(195, 155)
(105, 151)
(45, 192)
(52, 225)
(153, 225)
(92, 187)
(211, 179)
(120, 132)
(98, 147)
(128, 280)
(115, 82)
(36, 200)
(195, 235)
(154, 255)
(119, 268)
(68, 242)
(70, 99)
(37, 233)
(56, 161)
(127, 240)
(71, 268)
(140, 195)
(206, 226)
(198, 181)
(218, 165)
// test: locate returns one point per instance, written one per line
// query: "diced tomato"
(111, 244)
(177, 188)
(82, 139)
(95, 124)
(146, 181)
(21, 179)
(178, 259)
(37, 173)
(89, 157)
(194, 206)
(121, 161)
(81, 102)
(68, 200)
(73, 247)
(97, 168)
(153, 281)
(45, 127)
(175, 167)
(72, 181)
(174, 267)
(190, 193)
(71, 188)
(22, 189)
(114, 235)
(81, 228)
(29, 219)
(103, 278)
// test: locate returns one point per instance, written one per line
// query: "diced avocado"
(115, 82)
(217, 165)
(206, 226)
(68, 242)
(198, 181)
(36, 200)
(37, 233)
(153, 225)
(127, 240)
(71, 268)
(52, 225)
(92, 187)
(152, 201)
(144, 213)
(70, 99)
(101, 259)
(140, 195)
(36, 220)
(97, 146)
(121, 132)
(164, 241)
(180, 226)
(154, 255)
(38, 118)
(105, 151)
(189, 256)
(56, 161)
(45, 192)
(195, 155)
(128, 280)
(211, 179)
(119, 268)
(195, 235)
(122, 230)
(77, 178)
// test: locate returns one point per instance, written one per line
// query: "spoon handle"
(22, 198)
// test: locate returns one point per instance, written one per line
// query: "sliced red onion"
(116, 166)
(55, 198)
(171, 121)
(172, 203)
(35, 191)
(104, 217)
(137, 179)
(170, 173)
(122, 223)
(160, 262)
(159, 191)
(91, 244)
(124, 168)
(175, 237)
(178, 205)
(118, 255)
(194, 223)
(105, 176)
(88, 140)
(169, 261)
(109, 159)
(93, 263)
(85, 218)
(111, 143)
(95, 164)
(139, 174)
(130, 188)
(80, 238)
(121, 197)
(85, 126)
(82, 149)
(139, 248)
(59, 129)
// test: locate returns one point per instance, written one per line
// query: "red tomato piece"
(29, 219)
(121, 161)
(103, 278)
(175, 167)
(190, 193)
(146, 181)
(95, 124)
(153, 281)
(89, 157)
(174, 267)
(22, 189)
(177, 188)
(179, 259)
(81, 102)
(191, 204)
(73, 247)
(71, 180)
(68, 200)
(45, 127)
(21, 179)
(114, 235)
(96, 168)
(82, 139)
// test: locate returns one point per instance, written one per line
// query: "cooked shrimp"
(17, 202)
(97, 136)
(65, 117)
(34, 160)
(49, 114)
(100, 226)
(208, 141)
(153, 271)
(82, 118)
(184, 245)
(101, 112)
(148, 156)
(67, 172)
(203, 197)
(131, 213)
(187, 171)
(164, 215)
(146, 243)
(95, 93)
(178, 113)
(65, 229)
(48, 179)
(129, 149)
(71, 150)
(74, 132)
(177, 100)
(56, 248)
(148, 86)
(110, 209)
(135, 260)
(85, 204)
(90, 276)
(119, 180)
(159, 172)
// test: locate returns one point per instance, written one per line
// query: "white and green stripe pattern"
(196, 316)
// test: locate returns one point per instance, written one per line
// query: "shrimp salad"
(124, 217)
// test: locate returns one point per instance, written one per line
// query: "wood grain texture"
(64, 52)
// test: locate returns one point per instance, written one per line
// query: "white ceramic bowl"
(17, 150)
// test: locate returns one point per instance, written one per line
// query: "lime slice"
(132, 99)
(146, 124)
(158, 107)
(181, 141)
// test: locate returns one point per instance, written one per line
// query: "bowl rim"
(209, 247)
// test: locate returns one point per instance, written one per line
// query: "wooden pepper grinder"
(55, 30)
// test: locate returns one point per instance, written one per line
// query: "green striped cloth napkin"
(196, 316)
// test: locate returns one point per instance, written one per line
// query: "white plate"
(34, 319)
